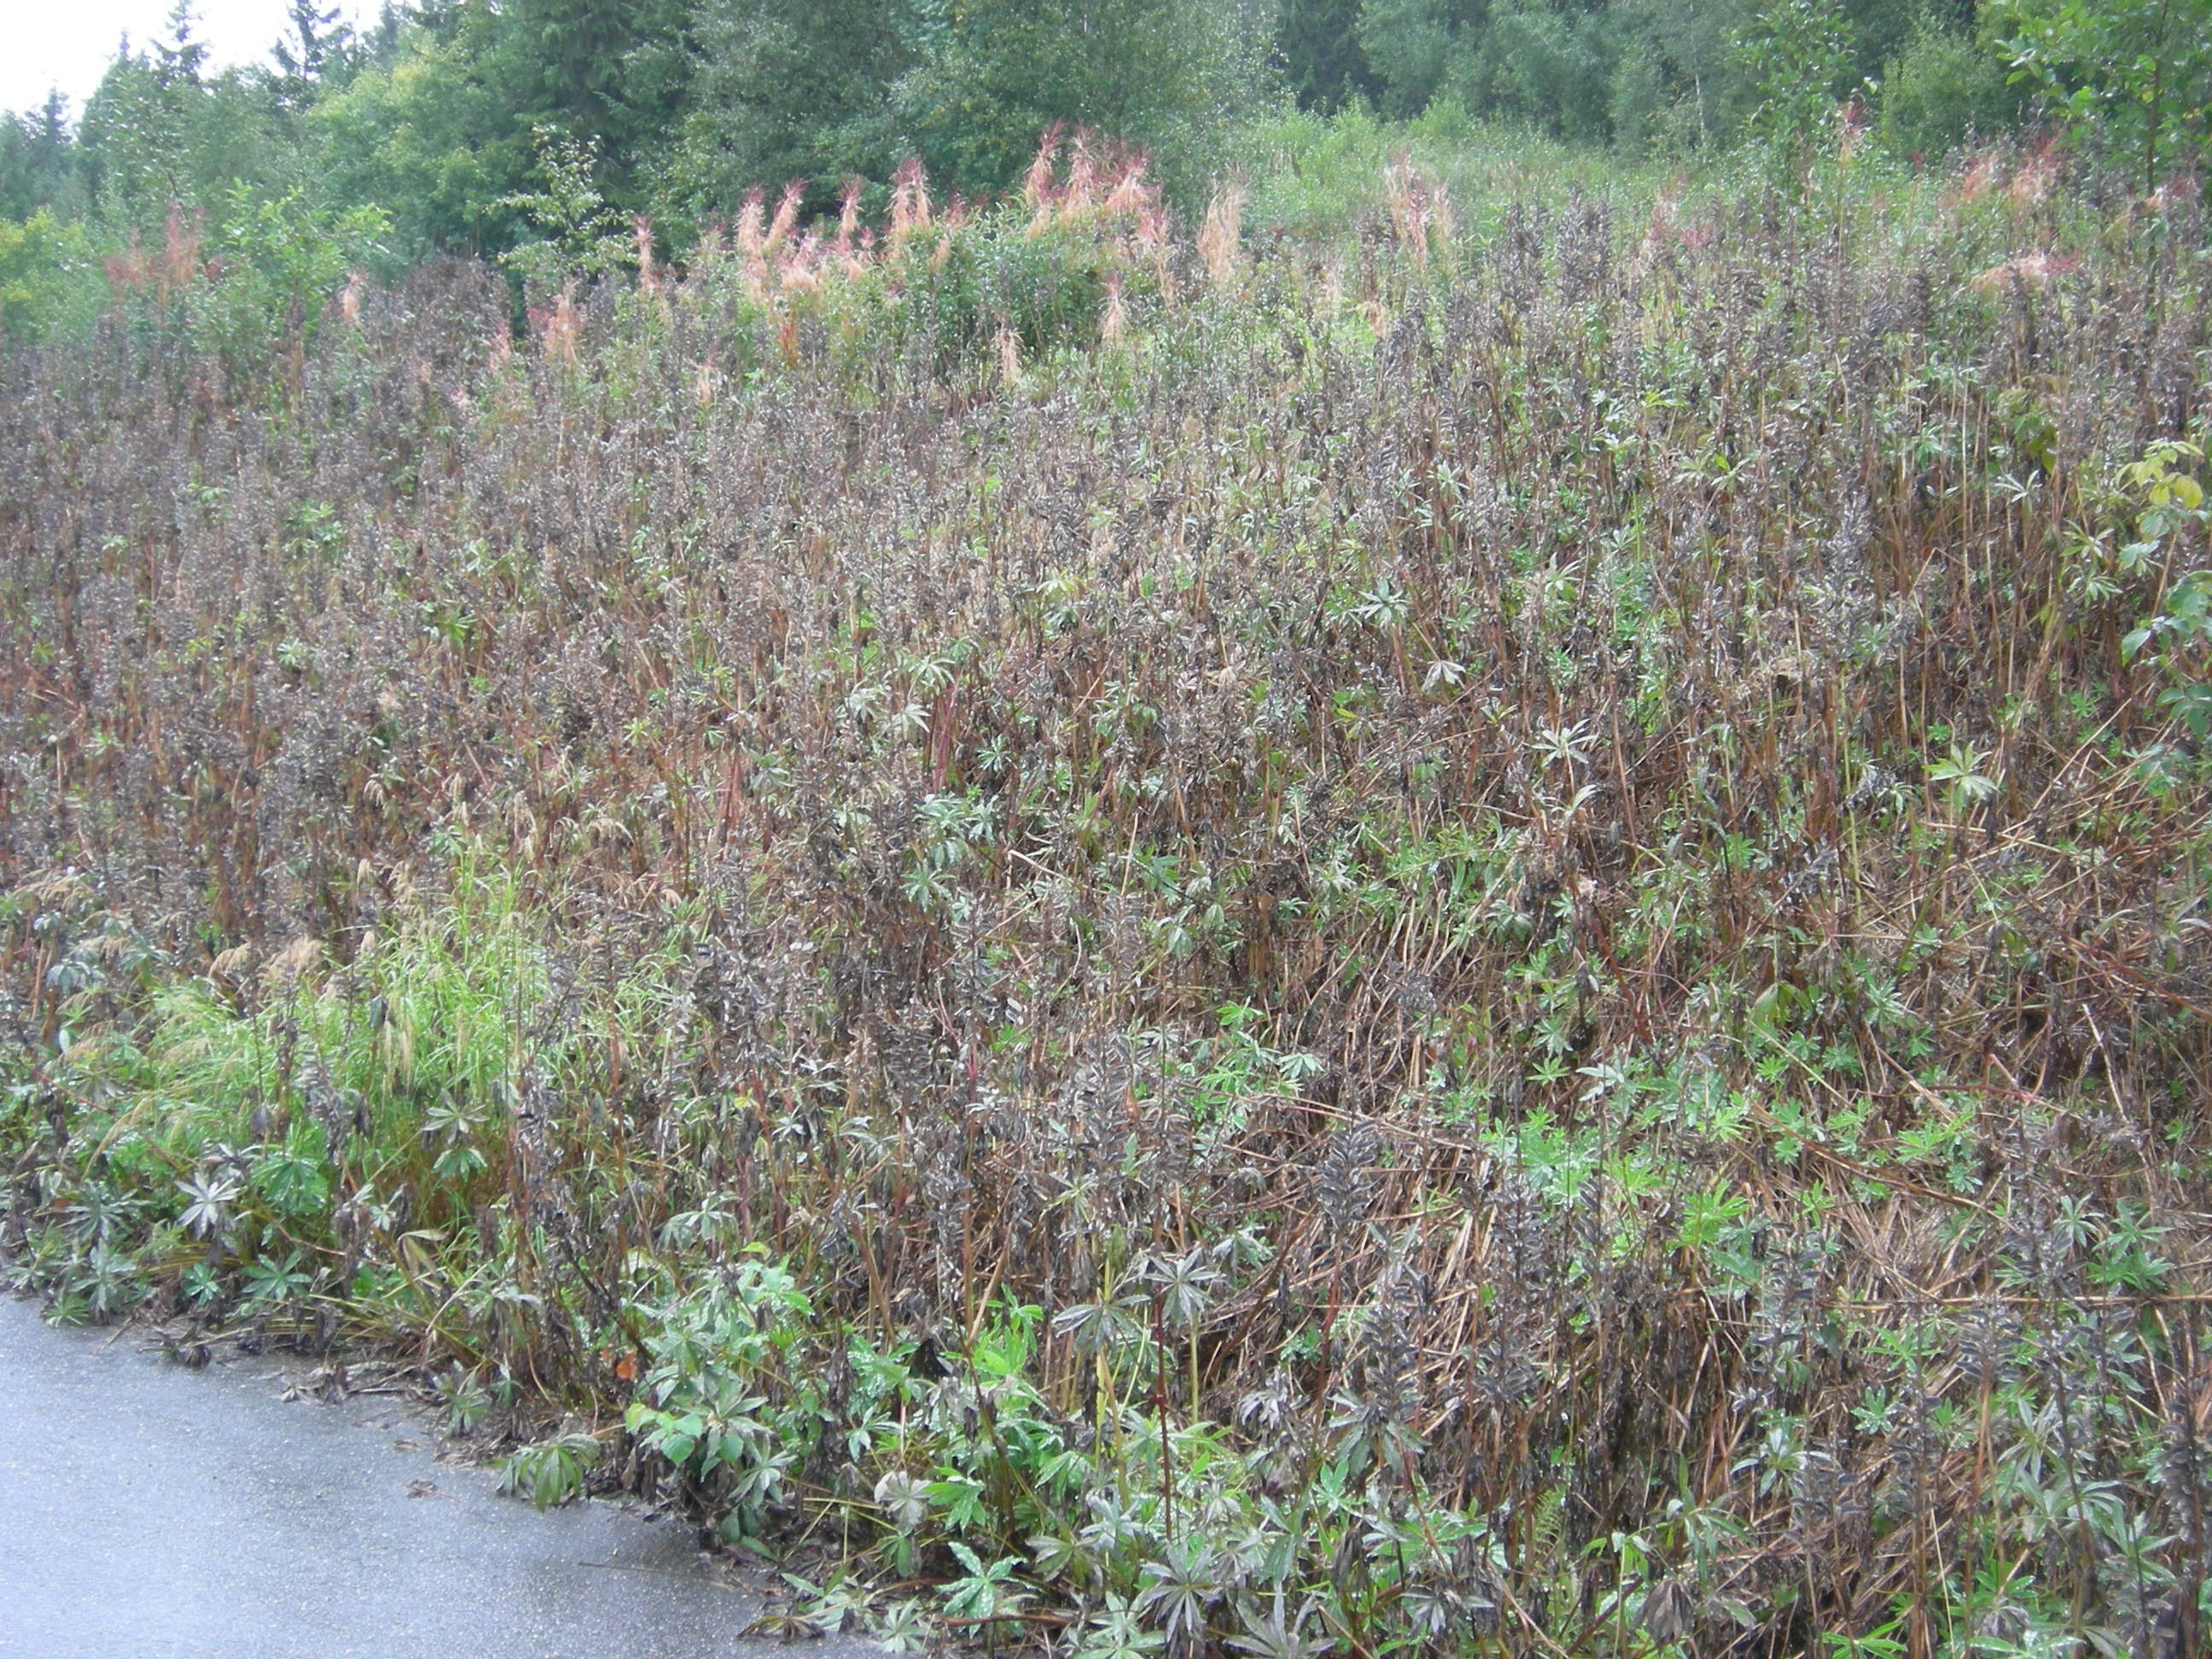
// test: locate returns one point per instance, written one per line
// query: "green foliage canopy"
(451, 117)
(2135, 73)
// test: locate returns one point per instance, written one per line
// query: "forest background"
(461, 126)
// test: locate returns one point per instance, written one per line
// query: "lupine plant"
(1483, 937)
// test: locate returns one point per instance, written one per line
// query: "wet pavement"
(148, 1511)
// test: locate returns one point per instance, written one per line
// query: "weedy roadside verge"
(1491, 941)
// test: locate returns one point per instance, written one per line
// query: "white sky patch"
(69, 44)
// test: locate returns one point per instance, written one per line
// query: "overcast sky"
(70, 43)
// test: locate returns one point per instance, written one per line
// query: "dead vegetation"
(1491, 940)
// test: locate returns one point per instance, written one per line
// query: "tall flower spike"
(848, 216)
(1038, 184)
(1219, 237)
(752, 242)
(786, 215)
(1082, 174)
(910, 210)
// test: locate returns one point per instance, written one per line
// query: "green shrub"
(275, 262)
(1048, 289)
(1945, 88)
(50, 277)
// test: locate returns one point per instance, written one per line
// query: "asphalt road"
(150, 1511)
